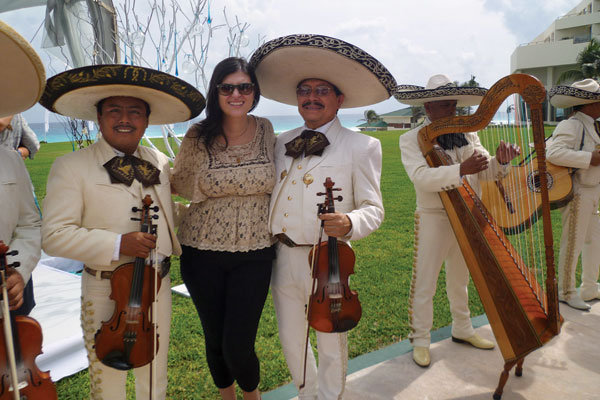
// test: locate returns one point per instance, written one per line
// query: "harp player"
(434, 239)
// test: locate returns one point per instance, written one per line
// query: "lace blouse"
(229, 189)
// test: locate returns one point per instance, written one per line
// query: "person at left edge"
(91, 192)
(22, 75)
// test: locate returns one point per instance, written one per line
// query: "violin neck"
(334, 264)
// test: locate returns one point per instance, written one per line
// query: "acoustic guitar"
(512, 200)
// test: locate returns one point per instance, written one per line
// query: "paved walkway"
(566, 368)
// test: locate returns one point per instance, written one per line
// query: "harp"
(514, 276)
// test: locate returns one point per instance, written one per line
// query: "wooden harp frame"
(519, 324)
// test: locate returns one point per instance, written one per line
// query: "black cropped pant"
(229, 290)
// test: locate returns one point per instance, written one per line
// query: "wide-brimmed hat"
(439, 87)
(578, 93)
(76, 92)
(282, 63)
(22, 75)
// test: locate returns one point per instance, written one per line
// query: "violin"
(333, 306)
(20, 344)
(129, 339)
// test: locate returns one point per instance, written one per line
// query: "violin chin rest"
(117, 360)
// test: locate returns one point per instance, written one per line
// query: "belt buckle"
(165, 267)
(285, 239)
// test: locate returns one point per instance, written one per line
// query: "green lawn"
(382, 279)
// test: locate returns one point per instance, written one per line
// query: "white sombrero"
(439, 87)
(76, 92)
(22, 75)
(581, 92)
(284, 62)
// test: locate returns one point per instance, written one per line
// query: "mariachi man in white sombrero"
(575, 143)
(435, 242)
(22, 78)
(320, 75)
(91, 193)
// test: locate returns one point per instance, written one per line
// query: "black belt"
(164, 267)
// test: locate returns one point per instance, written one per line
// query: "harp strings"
(513, 202)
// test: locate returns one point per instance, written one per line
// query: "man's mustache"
(309, 102)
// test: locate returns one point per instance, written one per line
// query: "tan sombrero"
(581, 92)
(282, 63)
(439, 87)
(22, 75)
(76, 92)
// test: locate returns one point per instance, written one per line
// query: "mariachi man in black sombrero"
(319, 75)
(89, 200)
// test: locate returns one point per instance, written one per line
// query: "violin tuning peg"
(12, 253)
(15, 264)
(135, 219)
(135, 209)
(155, 216)
(155, 208)
(339, 198)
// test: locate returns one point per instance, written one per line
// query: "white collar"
(323, 128)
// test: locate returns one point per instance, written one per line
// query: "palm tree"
(371, 117)
(588, 64)
(470, 83)
(416, 112)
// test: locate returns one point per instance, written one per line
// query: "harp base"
(504, 375)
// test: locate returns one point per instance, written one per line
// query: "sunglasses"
(321, 91)
(226, 89)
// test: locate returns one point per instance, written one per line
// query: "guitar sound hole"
(534, 181)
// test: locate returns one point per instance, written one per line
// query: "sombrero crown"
(578, 93)
(439, 87)
(22, 75)
(76, 92)
(284, 62)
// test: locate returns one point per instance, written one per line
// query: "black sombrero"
(284, 62)
(76, 92)
(22, 75)
(579, 93)
(439, 87)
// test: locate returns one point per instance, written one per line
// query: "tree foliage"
(587, 64)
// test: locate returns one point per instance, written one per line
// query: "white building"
(555, 50)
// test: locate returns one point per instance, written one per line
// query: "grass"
(382, 279)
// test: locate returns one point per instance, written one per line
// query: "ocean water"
(57, 131)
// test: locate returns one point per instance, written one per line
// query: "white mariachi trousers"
(580, 235)
(435, 243)
(291, 284)
(107, 383)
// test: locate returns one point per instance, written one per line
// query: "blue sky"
(413, 39)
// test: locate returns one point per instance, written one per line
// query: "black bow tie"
(308, 142)
(127, 168)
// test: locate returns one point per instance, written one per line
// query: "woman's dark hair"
(211, 127)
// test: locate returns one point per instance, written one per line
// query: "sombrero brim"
(568, 96)
(284, 62)
(22, 75)
(465, 96)
(76, 92)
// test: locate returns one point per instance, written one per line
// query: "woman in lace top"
(225, 168)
